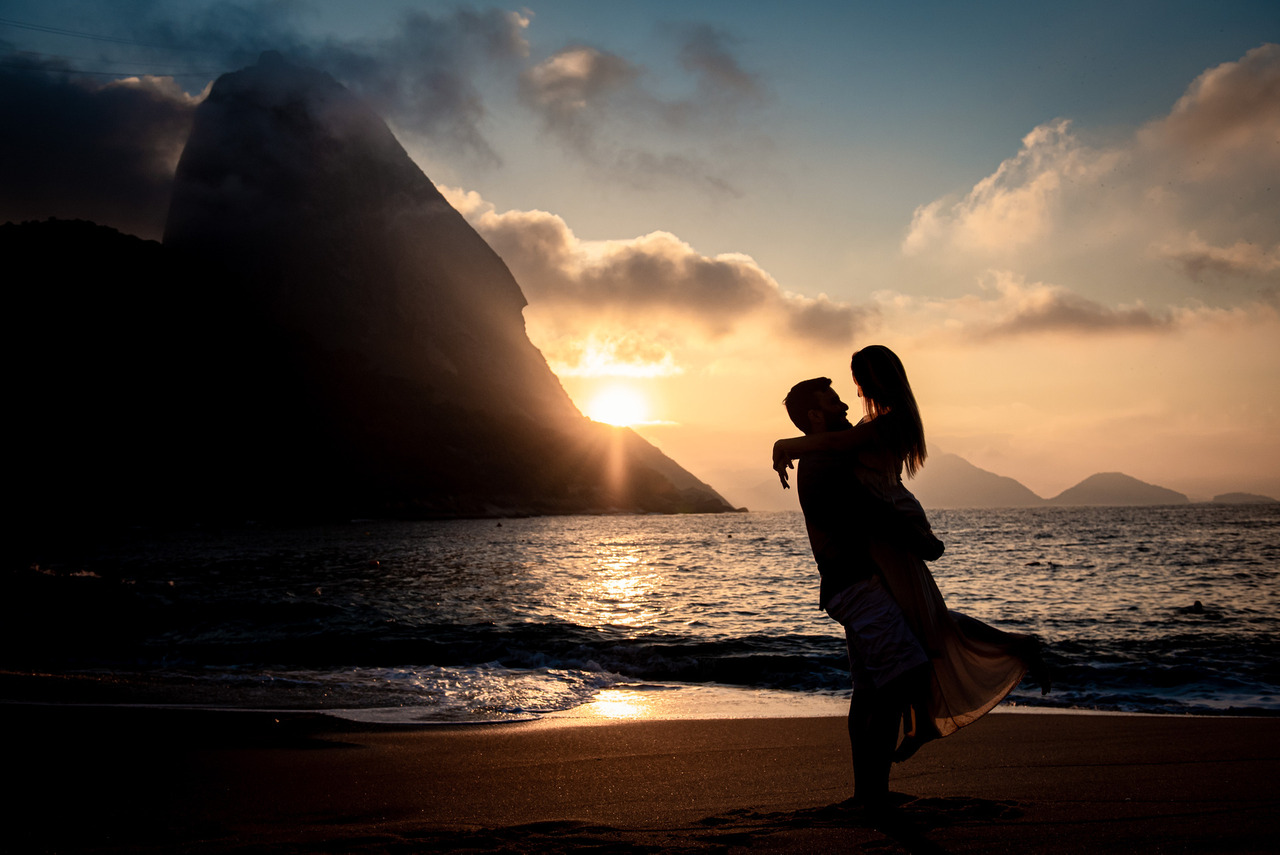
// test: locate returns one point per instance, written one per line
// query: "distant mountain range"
(950, 481)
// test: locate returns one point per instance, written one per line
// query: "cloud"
(427, 79)
(1229, 114)
(1207, 168)
(603, 108)
(706, 52)
(656, 279)
(422, 78)
(1010, 307)
(573, 88)
(620, 353)
(77, 148)
(1017, 205)
(1200, 260)
(1021, 308)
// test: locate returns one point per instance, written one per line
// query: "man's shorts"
(881, 645)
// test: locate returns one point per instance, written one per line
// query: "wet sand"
(119, 779)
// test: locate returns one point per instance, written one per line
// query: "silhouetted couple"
(914, 664)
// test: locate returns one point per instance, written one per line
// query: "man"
(888, 663)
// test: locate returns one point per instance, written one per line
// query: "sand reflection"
(618, 704)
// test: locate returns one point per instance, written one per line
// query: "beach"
(139, 779)
(638, 684)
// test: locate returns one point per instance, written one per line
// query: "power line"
(99, 37)
(77, 34)
(64, 58)
(69, 70)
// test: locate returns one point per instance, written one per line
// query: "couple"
(914, 663)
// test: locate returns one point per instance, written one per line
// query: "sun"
(618, 405)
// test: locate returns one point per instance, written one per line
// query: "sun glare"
(618, 405)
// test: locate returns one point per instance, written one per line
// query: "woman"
(974, 665)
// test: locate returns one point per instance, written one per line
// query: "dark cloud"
(76, 148)
(706, 52)
(1201, 262)
(1200, 265)
(825, 320)
(643, 168)
(1059, 310)
(421, 78)
(601, 106)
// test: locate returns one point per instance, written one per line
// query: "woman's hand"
(782, 462)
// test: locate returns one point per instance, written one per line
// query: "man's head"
(814, 407)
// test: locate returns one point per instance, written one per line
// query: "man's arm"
(786, 450)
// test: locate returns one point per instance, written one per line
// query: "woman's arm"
(786, 450)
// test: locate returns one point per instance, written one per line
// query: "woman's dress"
(974, 665)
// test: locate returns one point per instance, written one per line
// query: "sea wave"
(1157, 610)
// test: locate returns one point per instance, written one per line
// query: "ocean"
(1151, 609)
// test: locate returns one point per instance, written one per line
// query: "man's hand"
(781, 463)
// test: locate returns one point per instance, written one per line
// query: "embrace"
(916, 666)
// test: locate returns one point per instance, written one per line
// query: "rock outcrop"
(321, 335)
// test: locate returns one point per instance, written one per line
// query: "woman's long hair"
(885, 389)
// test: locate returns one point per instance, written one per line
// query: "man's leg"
(874, 716)
(887, 662)
(873, 730)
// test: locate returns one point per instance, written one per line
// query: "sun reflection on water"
(620, 589)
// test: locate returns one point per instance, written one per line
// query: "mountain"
(320, 335)
(950, 481)
(1243, 499)
(1115, 488)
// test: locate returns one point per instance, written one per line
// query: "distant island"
(1243, 499)
(950, 481)
(1116, 488)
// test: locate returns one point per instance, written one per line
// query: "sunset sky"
(1066, 221)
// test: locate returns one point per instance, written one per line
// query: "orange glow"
(618, 405)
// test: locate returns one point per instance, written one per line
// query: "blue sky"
(1060, 217)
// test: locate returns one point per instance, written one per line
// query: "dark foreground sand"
(144, 780)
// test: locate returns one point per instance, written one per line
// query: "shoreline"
(635, 702)
(158, 780)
